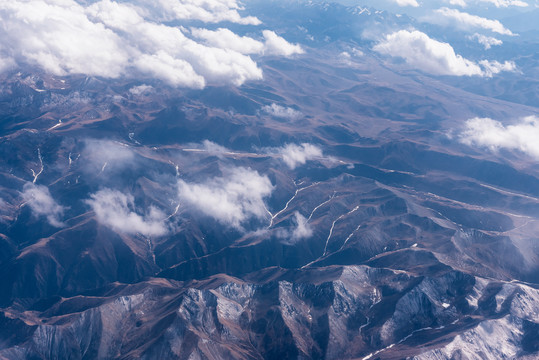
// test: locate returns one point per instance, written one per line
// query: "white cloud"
(294, 155)
(486, 41)
(211, 11)
(231, 199)
(485, 132)
(105, 155)
(39, 198)
(495, 67)
(303, 229)
(6, 63)
(225, 39)
(117, 211)
(347, 57)
(435, 57)
(461, 3)
(446, 16)
(119, 39)
(213, 148)
(282, 112)
(176, 72)
(141, 89)
(497, 3)
(412, 3)
(276, 45)
(59, 37)
(506, 3)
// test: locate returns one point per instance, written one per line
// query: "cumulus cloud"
(276, 45)
(435, 57)
(59, 37)
(232, 199)
(303, 229)
(118, 39)
(486, 132)
(117, 211)
(39, 198)
(486, 41)
(412, 3)
(294, 155)
(176, 72)
(446, 16)
(282, 112)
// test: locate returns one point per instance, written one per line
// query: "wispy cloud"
(214, 149)
(117, 211)
(99, 156)
(506, 3)
(303, 229)
(497, 3)
(494, 135)
(39, 198)
(486, 41)
(294, 155)
(435, 57)
(463, 20)
(231, 199)
(141, 89)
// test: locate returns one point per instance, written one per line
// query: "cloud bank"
(115, 39)
(435, 57)
(117, 211)
(492, 134)
(232, 199)
(39, 198)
